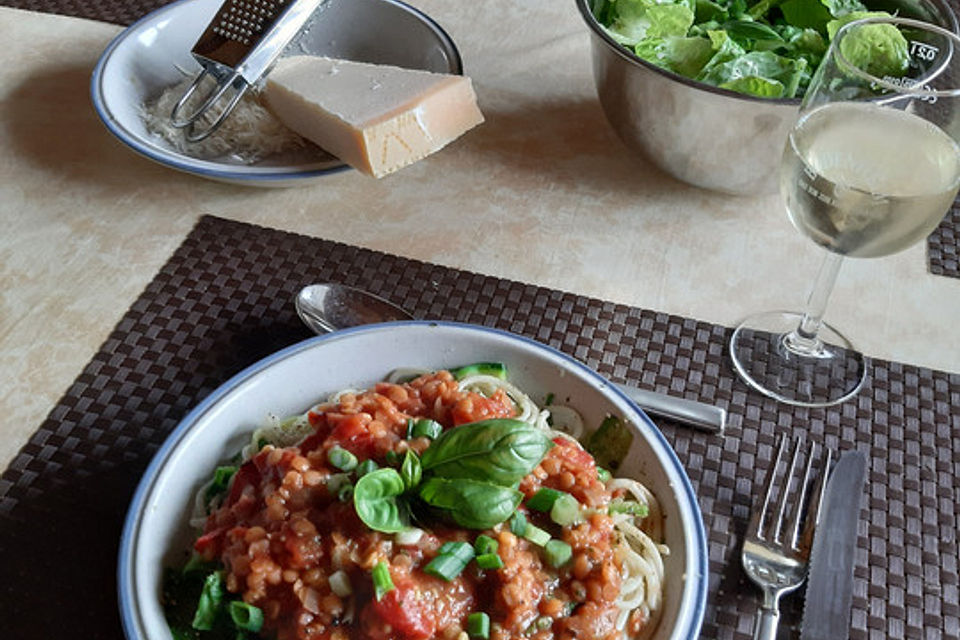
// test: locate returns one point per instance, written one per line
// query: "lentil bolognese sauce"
(445, 507)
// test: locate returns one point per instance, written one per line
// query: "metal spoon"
(328, 307)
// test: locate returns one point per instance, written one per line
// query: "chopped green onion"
(558, 553)
(489, 561)
(549, 400)
(366, 467)
(637, 509)
(565, 510)
(542, 623)
(246, 616)
(341, 458)
(485, 544)
(220, 482)
(463, 551)
(518, 523)
(382, 582)
(424, 428)
(543, 499)
(337, 480)
(445, 566)
(478, 625)
(536, 535)
(603, 475)
(345, 492)
(409, 536)
(209, 602)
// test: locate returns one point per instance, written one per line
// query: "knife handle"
(698, 415)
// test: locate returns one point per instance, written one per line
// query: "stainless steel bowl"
(708, 137)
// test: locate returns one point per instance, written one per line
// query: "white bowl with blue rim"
(154, 54)
(156, 532)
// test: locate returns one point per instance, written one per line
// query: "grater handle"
(224, 85)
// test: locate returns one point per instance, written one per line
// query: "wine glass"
(871, 167)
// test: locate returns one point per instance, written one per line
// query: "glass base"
(772, 358)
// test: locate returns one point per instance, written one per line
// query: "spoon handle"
(698, 415)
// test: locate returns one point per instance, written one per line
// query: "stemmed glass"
(871, 167)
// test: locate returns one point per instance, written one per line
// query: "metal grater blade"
(236, 28)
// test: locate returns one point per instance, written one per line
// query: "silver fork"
(775, 556)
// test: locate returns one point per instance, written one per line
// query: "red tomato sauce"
(281, 536)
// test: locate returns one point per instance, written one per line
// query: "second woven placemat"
(224, 300)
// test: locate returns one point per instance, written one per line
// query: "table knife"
(826, 607)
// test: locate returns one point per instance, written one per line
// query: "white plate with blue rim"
(157, 533)
(154, 54)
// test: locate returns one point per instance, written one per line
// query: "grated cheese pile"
(248, 135)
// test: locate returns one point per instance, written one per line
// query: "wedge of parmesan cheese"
(375, 118)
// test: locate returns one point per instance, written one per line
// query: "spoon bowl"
(328, 307)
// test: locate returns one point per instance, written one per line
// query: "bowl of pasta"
(414, 481)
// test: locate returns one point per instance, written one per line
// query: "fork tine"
(755, 528)
(816, 501)
(775, 528)
(796, 511)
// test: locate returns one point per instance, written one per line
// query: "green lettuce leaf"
(630, 23)
(735, 72)
(834, 25)
(879, 49)
(754, 86)
(806, 14)
(708, 10)
(682, 55)
(669, 20)
(840, 8)
(637, 19)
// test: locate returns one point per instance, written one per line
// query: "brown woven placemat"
(224, 300)
(943, 245)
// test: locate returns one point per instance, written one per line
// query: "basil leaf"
(501, 451)
(410, 470)
(375, 499)
(470, 503)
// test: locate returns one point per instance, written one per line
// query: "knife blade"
(826, 607)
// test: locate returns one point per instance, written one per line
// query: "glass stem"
(804, 337)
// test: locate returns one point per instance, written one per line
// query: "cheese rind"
(376, 118)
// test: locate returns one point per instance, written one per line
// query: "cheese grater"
(237, 49)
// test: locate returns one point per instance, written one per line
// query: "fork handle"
(767, 622)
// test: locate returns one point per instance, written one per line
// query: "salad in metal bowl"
(763, 48)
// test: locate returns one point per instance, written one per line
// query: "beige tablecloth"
(543, 192)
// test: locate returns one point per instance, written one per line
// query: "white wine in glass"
(870, 168)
